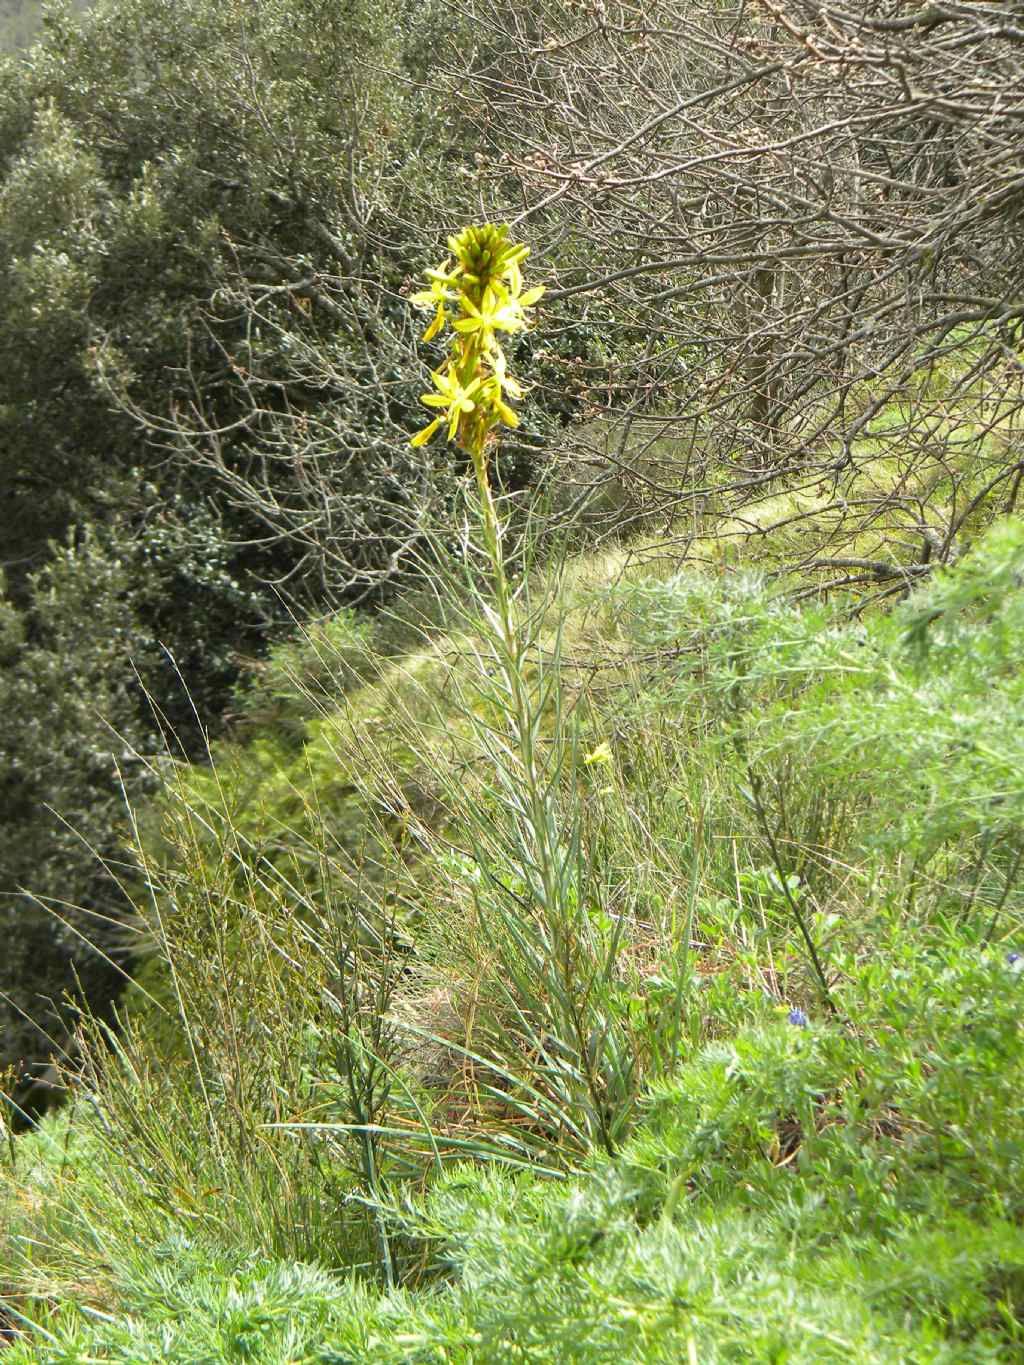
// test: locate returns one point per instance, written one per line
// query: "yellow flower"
(422, 437)
(455, 397)
(515, 287)
(496, 403)
(602, 754)
(443, 290)
(500, 366)
(440, 318)
(498, 312)
(502, 308)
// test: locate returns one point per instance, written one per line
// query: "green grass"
(466, 1034)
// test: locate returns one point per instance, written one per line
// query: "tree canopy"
(207, 218)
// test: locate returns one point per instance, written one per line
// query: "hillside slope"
(747, 1088)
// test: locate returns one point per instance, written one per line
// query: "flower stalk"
(555, 963)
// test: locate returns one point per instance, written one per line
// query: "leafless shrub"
(789, 233)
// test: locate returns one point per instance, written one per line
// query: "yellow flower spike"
(479, 291)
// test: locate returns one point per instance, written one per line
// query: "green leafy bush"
(206, 365)
(907, 725)
(842, 1191)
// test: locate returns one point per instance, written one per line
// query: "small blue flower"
(1015, 962)
(797, 1018)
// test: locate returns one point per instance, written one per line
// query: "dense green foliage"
(205, 374)
(834, 1193)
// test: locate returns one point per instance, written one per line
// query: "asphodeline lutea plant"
(542, 944)
(479, 292)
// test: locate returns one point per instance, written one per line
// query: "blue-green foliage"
(916, 718)
(846, 1191)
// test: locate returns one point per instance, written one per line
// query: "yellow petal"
(436, 325)
(422, 437)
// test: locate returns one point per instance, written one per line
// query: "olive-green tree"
(209, 217)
